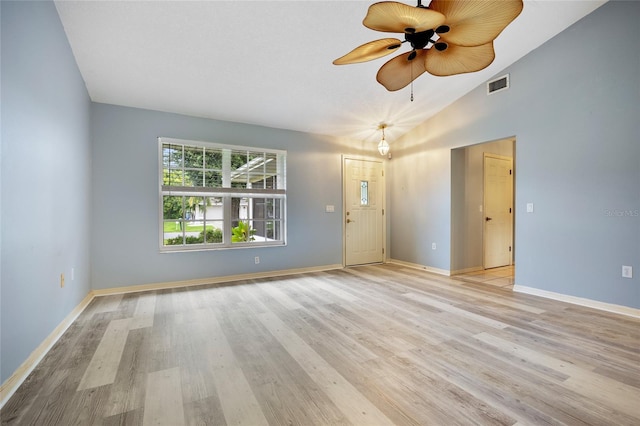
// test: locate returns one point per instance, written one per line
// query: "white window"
(216, 196)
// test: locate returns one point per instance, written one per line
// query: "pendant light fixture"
(383, 146)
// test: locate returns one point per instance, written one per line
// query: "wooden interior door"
(498, 211)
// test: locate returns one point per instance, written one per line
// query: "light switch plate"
(329, 208)
(627, 271)
(529, 207)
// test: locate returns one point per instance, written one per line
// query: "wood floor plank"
(620, 396)
(286, 394)
(206, 411)
(144, 312)
(319, 283)
(103, 304)
(457, 311)
(238, 402)
(357, 408)
(163, 400)
(105, 361)
(281, 296)
(127, 393)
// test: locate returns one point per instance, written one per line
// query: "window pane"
(193, 178)
(271, 164)
(238, 159)
(194, 232)
(214, 209)
(172, 156)
(193, 157)
(269, 183)
(173, 234)
(239, 183)
(242, 232)
(257, 180)
(267, 230)
(214, 234)
(172, 207)
(213, 159)
(213, 179)
(259, 206)
(276, 233)
(172, 177)
(194, 208)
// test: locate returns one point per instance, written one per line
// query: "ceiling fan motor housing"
(418, 40)
(422, 39)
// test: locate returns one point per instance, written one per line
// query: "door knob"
(349, 220)
(487, 219)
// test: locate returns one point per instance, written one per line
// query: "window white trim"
(264, 209)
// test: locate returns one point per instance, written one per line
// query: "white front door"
(498, 210)
(363, 220)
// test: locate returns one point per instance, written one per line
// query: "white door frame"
(383, 196)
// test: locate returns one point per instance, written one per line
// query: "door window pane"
(364, 193)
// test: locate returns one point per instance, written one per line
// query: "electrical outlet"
(257, 259)
(627, 271)
(433, 246)
(61, 280)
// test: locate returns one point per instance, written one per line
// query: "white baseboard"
(421, 267)
(10, 386)
(609, 307)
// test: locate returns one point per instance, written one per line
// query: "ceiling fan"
(448, 37)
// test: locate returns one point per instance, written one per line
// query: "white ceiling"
(270, 62)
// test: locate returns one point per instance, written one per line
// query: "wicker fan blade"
(459, 59)
(400, 71)
(369, 51)
(475, 22)
(394, 17)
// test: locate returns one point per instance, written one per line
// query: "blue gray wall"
(125, 199)
(46, 178)
(574, 108)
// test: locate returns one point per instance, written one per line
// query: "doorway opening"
(469, 223)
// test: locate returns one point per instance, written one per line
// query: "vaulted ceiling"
(270, 62)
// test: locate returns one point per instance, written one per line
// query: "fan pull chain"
(411, 82)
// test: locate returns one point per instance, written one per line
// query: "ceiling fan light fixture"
(447, 37)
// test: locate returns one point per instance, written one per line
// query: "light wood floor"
(372, 345)
(501, 277)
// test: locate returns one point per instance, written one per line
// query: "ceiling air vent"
(498, 84)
